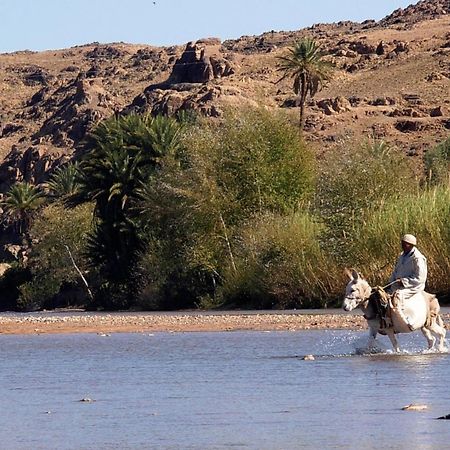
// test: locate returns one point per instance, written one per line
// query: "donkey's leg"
(437, 327)
(372, 337)
(393, 339)
(430, 338)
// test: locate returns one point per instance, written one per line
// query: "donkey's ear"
(355, 274)
(348, 273)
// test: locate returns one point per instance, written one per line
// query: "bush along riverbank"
(171, 213)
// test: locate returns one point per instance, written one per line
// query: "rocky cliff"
(392, 82)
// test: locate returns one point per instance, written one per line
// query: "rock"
(209, 41)
(334, 106)
(10, 128)
(362, 48)
(407, 126)
(437, 112)
(86, 400)
(435, 76)
(413, 99)
(404, 112)
(382, 101)
(381, 48)
(401, 47)
(199, 63)
(341, 104)
(105, 52)
(415, 407)
(446, 417)
(3, 268)
(13, 249)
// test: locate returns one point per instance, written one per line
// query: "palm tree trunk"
(302, 116)
(303, 94)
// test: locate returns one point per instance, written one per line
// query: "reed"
(281, 264)
(426, 214)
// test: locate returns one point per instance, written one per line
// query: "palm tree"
(21, 201)
(64, 181)
(125, 152)
(309, 71)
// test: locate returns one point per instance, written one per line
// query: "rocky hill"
(392, 82)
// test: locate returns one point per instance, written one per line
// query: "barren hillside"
(392, 81)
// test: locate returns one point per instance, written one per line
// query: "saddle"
(382, 304)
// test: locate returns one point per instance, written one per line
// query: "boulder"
(334, 106)
(362, 48)
(439, 111)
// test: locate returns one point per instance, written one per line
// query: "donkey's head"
(356, 292)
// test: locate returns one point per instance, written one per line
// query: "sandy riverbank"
(86, 322)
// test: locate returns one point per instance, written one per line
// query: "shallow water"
(240, 390)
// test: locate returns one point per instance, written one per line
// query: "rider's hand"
(399, 281)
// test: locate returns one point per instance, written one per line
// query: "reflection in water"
(247, 390)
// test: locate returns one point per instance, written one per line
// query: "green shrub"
(281, 265)
(225, 174)
(56, 230)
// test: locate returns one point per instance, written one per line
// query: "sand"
(87, 322)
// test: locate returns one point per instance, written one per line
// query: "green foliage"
(437, 163)
(281, 264)
(226, 173)
(426, 214)
(55, 231)
(20, 204)
(64, 181)
(305, 65)
(126, 152)
(352, 182)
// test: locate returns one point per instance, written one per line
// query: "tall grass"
(426, 214)
(281, 264)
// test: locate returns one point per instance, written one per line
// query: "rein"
(389, 284)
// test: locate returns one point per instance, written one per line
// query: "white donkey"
(421, 311)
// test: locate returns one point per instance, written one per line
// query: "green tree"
(64, 181)
(305, 65)
(20, 204)
(124, 152)
(225, 174)
(58, 254)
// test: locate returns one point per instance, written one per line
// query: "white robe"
(412, 270)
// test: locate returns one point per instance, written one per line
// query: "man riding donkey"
(409, 277)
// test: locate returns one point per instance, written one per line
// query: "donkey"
(421, 311)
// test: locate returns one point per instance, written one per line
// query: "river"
(230, 390)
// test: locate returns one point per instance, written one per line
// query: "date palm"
(124, 152)
(21, 201)
(64, 181)
(304, 64)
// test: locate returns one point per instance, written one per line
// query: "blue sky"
(53, 24)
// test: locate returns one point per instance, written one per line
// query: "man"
(410, 273)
